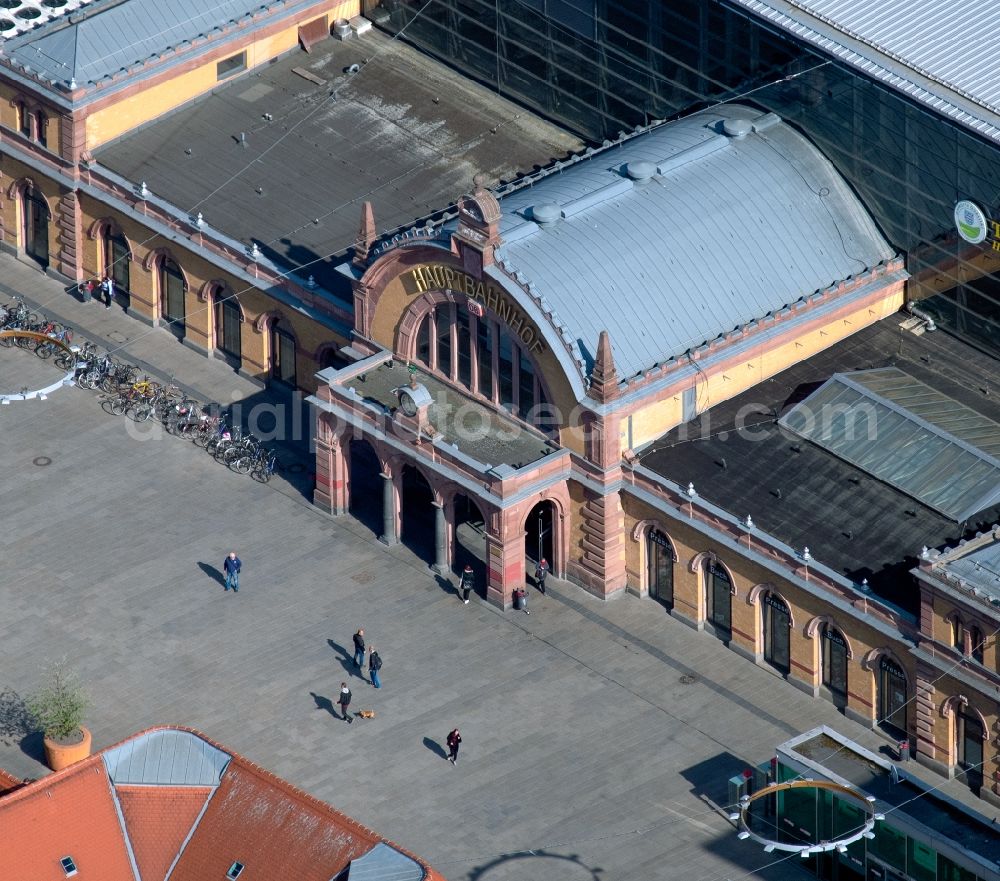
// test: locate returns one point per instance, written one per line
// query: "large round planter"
(59, 756)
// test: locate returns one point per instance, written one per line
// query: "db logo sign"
(476, 308)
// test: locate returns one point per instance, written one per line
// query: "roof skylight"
(69, 867)
(18, 16)
(234, 871)
(908, 435)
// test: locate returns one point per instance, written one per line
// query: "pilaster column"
(331, 489)
(69, 223)
(505, 565)
(927, 748)
(440, 539)
(388, 536)
(601, 568)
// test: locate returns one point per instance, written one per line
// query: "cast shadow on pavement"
(212, 573)
(435, 747)
(346, 659)
(324, 703)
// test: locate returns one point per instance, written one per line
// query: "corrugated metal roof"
(942, 54)
(104, 38)
(928, 452)
(733, 229)
(384, 863)
(166, 757)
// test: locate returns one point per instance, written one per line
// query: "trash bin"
(904, 750)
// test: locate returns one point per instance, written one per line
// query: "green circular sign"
(970, 221)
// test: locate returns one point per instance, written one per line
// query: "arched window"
(958, 634)
(117, 261)
(776, 621)
(892, 696)
(42, 124)
(36, 227)
(282, 355)
(482, 355)
(23, 120)
(969, 736)
(228, 323)
(834, 661)
(660, 559)
(719, 599)
(977, 642)
(172, 295)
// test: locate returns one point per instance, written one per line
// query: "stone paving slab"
(598, 736)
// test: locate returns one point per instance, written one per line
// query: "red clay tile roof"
(274, 829)
(158, 820)
(70, 813)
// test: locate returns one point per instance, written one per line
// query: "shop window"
(283, 356)
(948, 871)
(777, 622)
(977, 642)
(892, 697)
(835, 661)
(921, 861)
(231, 65)
(719, 600)
(660, 558)
(889, 845)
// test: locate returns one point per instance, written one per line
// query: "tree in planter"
(59, 705)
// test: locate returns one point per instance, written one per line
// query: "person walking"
(468, 583)
(359, 648)
(374, 665)
(541, 571)
(231, 566)
(521, 600)
(453, 740)
(108, 286)
(345, 701)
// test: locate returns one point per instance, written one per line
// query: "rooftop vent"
(234, 871)
(640, 171)
(546, 214)
(69, 867)
(737, 128)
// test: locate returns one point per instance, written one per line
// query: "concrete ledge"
(744, 652)
(811, 690)
(936, 766)
(191, 344)
(256, 380)
(132, 312)
(861, 719)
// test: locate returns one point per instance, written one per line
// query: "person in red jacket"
(453, 740)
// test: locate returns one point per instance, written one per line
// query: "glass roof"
(906, 434)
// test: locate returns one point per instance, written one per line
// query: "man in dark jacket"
(374, 665)
(541, 573)
(359, 648)
(231, 566)
(453, 740)
(345, 700)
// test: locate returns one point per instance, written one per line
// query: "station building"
(676, 366)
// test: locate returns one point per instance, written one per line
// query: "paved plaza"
(597, 736)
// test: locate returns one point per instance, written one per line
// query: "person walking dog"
(468, 583)
(541, 572)
(345, 701)
(231, 566)
(374, 665)
(453, 740)
(359, 648)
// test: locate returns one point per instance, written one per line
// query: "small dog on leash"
(366, 714)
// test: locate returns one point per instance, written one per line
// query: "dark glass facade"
(604, 66)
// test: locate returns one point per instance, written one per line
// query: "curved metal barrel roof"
(683, 233)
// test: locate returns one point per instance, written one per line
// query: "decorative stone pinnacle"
(604, 376)
(367, 234)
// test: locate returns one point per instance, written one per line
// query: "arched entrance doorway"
(891, 697)
(36, 228)
(660, 559)
(777, 622)
(365, 485)
(719, 600)
(417, 513)
(539, 535)
(834, 663)
(470, 540)
(172, 304)
(228, 326)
